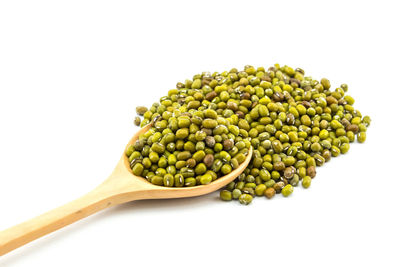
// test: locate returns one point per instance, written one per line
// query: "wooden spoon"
(122, 186)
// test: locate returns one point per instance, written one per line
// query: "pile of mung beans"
(205, 126)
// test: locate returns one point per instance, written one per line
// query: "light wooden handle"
(46, 223)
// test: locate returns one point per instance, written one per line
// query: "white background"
(72, 72)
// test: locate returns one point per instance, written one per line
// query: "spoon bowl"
(120, 187)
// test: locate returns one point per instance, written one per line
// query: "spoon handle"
(46, 223)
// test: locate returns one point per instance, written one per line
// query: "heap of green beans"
(204, 128)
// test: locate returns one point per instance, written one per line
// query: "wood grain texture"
(120, 187)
